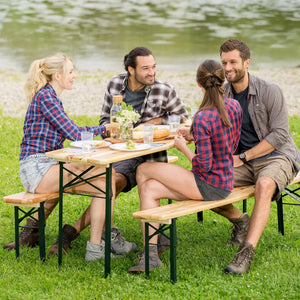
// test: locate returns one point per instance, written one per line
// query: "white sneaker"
(94, 251)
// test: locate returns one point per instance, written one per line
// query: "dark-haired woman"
(215, 131)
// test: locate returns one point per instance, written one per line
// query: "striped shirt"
(47, 125)
(215, 144)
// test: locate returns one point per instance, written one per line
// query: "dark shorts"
(210, 192)
(278, 168)
(128, 169)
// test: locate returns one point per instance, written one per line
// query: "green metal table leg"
(60, 213)
(17, 224)
(173, 245)
(108, 197)
(41, 213)
(147, 249)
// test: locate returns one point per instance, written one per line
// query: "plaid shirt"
(160, 101)
(215, 144)
(47, 125)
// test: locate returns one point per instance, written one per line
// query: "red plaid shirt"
(47, 125)
(215, 144)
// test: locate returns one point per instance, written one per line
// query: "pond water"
(97, 34)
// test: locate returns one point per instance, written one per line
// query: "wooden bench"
(167, 214)
(36, 202)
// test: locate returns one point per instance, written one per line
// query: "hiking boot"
(242, 259)
(28, 237)
(94, 251)
(118, 244)
(154, 261)
(69, 234)
(239, 230)
(163, 244)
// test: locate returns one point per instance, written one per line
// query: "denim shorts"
(33, 168)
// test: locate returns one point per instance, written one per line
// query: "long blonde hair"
(41, 72)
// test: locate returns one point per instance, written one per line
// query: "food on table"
(130, 145)
(99, 143)
(158, 132)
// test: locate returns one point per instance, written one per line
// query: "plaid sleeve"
(175, 106)
(55, 114)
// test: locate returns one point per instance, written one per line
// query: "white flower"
(127, 115)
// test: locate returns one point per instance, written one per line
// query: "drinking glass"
(174, 122)
(148, 131)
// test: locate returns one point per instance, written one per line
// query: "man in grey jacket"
(267, 155)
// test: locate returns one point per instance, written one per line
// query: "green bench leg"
(41, 213)
(17, 225)
(41, 224)
(173, 245)
(280, 216)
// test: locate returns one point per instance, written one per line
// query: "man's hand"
(237, 162)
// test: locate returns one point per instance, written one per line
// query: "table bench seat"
(167, 215)
(36, 202)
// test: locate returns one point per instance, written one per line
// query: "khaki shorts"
(279, 168)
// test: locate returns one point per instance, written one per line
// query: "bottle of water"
(114, 124)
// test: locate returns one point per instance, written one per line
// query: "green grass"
(201, 253)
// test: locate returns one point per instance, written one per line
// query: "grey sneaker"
(242, 259)
(69, 234)
(154, 261)
(94, 251)
(239, 230)
(163, 244)
(28, 237)
(118, 244)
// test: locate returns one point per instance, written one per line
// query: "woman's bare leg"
(158, 181)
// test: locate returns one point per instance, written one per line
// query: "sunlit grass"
(201, 253)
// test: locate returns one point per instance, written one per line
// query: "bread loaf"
(158, 132)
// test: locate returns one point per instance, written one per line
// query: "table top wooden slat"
(105, 156)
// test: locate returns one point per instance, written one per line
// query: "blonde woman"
(46, 127)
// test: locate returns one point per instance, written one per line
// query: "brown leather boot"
(242, 259)
(239, 230)
(69, 234)
(154, 261)
(28, 237)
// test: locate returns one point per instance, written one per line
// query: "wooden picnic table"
(103, 157)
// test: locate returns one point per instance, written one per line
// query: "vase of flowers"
(126, 118)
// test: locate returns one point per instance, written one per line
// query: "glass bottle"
(114, 124)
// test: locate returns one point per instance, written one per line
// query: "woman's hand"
(180, 143)
(185, 133)
(107, 127)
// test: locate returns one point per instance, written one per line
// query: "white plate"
(95, 143)
(122, 147)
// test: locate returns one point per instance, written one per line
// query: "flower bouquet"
(126, 117)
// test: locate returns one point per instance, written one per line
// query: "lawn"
(201, 253)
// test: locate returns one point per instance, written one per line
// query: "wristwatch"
(242, 157)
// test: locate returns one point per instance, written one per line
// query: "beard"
(239, 75)
(148, 80)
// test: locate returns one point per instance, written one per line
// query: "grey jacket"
(269, 115)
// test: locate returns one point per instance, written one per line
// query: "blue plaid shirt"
(47, 125)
